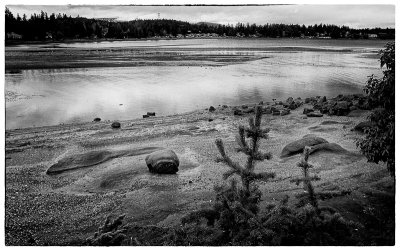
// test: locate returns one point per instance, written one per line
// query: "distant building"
(372, 35)
(13, 35)
(107, 19)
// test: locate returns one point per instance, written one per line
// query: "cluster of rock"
(279, 108)
(340, 105)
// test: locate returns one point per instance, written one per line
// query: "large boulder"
(298, 145)
(163, 162)
(116, 125)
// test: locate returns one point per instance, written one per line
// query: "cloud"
(355, 16)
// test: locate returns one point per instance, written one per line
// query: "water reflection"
(53, 96)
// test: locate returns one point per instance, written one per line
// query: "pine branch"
(226, 158)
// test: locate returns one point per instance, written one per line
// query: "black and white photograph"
(189, 123)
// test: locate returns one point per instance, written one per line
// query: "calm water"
(50, 97)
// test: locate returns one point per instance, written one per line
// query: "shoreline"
(69, 41)
(74, 203)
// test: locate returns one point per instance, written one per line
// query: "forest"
(57, 27)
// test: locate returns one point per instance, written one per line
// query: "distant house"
(49, 35)
(13, 35)
(372, 35)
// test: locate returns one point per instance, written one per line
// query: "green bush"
(379, 143)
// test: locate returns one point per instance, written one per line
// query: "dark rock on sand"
(151, 114)
(298, 145)
(97, 119)
(314, 114)
(266, 110)
(248, 110)
(163, 162)
(145, 116)
(285, 112)
(237, 112)
(307, 110)
(276, 113)
(211, 109)
(116, 125)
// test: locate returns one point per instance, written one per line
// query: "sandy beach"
(66, 208)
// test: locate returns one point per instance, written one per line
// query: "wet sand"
(65, 208)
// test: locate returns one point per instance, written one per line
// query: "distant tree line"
(60, 26)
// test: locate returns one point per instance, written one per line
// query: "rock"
(224, 106)
(341, 108)
(266, 110)
(307, 110)
(356, 113)
(93, 158)
(298, 145)
(261, 103)
(151, 113)
(163, 162)
(248, 110)
(275, 113)
(79, 161)
(97, 119)
(285, 112)
(116, 125)
(360, 127)
(211, 109)
(244, 106)
(145, 116)
(192, 128)
(209, 120)
(330, 147)
(237, 112)
(307, 100)
(314, 114)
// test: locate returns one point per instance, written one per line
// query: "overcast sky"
(355, 16)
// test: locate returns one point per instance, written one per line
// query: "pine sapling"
(307, 179)
(246, 172)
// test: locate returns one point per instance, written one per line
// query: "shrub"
(379, 143)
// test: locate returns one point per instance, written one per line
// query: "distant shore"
(88, 40)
